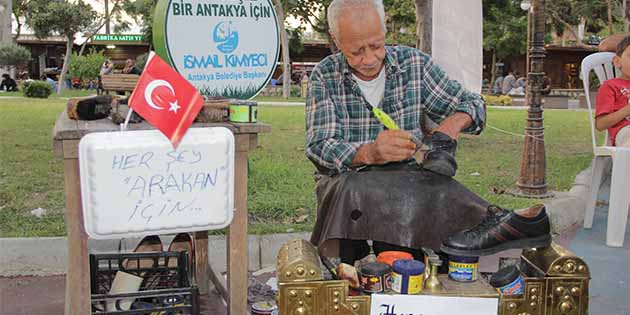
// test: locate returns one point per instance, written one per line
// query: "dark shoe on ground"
(441, 158)
(499, 231)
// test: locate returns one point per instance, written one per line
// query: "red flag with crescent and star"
(165, 99)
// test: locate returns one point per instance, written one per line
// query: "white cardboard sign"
(134, 183)
(432, 305)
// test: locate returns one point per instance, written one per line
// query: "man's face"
(361, 39)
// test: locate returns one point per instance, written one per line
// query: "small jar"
(264, 308)
(508, 281)
(463, 269)
(243, 111)
(389, 257)
(374, 277)
(408, 276)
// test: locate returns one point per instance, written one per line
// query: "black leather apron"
(399, 204)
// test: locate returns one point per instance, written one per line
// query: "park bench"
(572, 93)
(119, 82)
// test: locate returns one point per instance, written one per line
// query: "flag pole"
(123, 127)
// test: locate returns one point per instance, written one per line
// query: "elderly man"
(369, 185)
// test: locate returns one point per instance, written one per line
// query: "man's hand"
(389, 146)
(454, 124)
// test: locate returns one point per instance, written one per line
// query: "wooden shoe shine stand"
(66, 136)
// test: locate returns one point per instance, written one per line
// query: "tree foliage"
(504, 28)
(64, 18)
(19, 8)
(568, 14)
(401, 21)
(14, 55)
(59, 17)
(400, 14)
(86, 67)
(142, 12)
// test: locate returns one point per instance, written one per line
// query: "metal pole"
(532, 181)
(529, 39)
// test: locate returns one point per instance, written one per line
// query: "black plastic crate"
(164, 290)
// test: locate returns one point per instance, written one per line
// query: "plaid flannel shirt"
(338, 121)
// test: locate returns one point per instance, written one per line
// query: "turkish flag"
(165, 99)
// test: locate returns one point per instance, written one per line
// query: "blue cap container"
(407, 276)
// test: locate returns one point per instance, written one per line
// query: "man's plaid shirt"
(338, 121)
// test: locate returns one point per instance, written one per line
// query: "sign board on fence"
(432, 305)
(223, 47)
(133, 183)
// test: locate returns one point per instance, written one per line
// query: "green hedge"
(39, 89)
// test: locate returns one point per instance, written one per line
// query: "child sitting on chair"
(613, 100)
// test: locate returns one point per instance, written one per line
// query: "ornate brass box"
(556, 284)
(298, 261)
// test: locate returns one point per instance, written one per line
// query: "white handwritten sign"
(431, 305)
(134, 183)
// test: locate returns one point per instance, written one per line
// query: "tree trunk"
(424, 25)
(107, 17)
(90, 36)
(570, 28)
(610, 17)
(286, 60)
(493, 70)
(18, 29)
(106, 20)
(5, 22)
(64, 70)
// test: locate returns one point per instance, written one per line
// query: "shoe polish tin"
(463, 269)
(508, 281)
(407, 276)
(374, 277)
(264, 308)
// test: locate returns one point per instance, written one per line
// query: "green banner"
(118, 38)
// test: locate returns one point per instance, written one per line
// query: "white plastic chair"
(619, 202)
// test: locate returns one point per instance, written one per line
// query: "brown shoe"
(182, 243)
(151, 243)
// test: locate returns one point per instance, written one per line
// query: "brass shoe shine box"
(556, 283)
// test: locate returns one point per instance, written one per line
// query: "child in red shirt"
(613, 100)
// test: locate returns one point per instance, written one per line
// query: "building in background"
(120, 47)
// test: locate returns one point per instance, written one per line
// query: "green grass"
(79, 93)
(30, 177)
(260, 98)
(281, 191)
(66, 93)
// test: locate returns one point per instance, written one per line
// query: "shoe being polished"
(441, 158)
(499, 231)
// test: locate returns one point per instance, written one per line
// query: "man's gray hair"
(337, 7)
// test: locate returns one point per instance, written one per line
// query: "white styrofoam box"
(133, 183)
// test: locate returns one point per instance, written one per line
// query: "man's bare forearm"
(454, 124)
